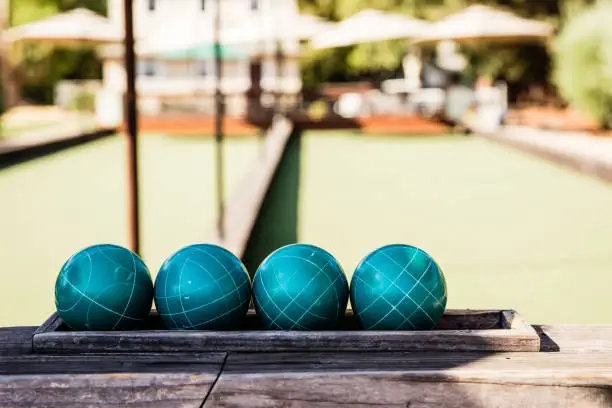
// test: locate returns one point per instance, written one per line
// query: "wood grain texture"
(458, 331)
(379, 391)
(35, 364)
(576, 338)
(16, 340)
(126, 389)
(119, 380)
(544, 369)
(419, 379)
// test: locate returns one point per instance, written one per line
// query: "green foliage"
(386, 55)
(26, 11)
(83, 101)
(322, 65)
(583, 62)
(318, 110)
(99, 6)
(518, 64)
(322, 8)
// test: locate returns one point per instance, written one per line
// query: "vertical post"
(219, 113)
(131, 113)
(279, 60)
(254, 97)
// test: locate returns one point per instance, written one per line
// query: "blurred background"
(476, 130)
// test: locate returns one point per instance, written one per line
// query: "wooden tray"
(459, 330)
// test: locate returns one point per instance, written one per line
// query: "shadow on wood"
(546, 343)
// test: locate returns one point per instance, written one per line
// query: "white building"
(166, 84)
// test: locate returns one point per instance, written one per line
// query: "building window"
(203, 5)
(152, 4)
(201, 69)
(149, 69)
(146, 68)
(254, 5)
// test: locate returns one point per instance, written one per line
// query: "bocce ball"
(300, 287)
(398, 287)
(104, 287)
(202, 287)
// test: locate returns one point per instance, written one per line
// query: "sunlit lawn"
(54, 206)
(509, 230)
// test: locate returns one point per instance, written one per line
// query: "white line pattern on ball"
(131, 292)
(308, 310)
(397, 277)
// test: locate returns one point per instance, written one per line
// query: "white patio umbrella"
(309, 26)
(484, 24)
(79, 26)
(369, 26)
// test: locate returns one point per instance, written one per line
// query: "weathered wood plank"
(110, 380)
(458, 331)
(261, 341)
(41, 364)
(544, 369)
(420, 379)
(376, 391)
(16, 340)
(51, 324)
(578, 376)
(125, 389)
(576, 338)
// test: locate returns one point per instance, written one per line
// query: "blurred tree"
(321, 8)
(99, 6)
(362, 59)
(583, 62)
(43, 66)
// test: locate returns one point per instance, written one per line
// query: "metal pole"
(219, 113)
(131, 112)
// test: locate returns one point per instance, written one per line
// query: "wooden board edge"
(49, 325)
(485, 340)
(517, 324)
(520, 336)
(507, 318)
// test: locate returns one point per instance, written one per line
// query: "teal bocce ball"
(202, 287)
(104, 287)
(300, 287)
(398, 287)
